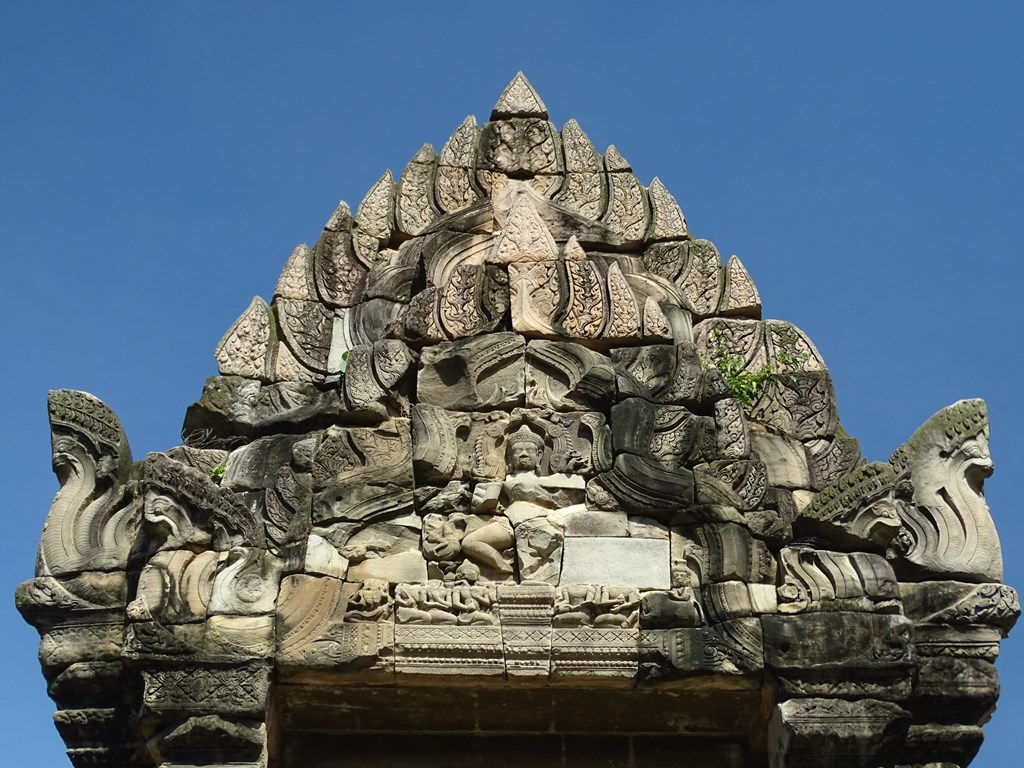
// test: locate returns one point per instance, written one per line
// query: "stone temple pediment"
(509, 471)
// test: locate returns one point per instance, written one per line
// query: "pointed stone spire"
(519, 100)
(573, 251)
(614, 162)
(739, 297)
(667, 220)
(341, 219)
(296, 280)
(243, 350)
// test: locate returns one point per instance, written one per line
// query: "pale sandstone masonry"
(510, 471)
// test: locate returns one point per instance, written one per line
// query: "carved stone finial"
(519, 100)
(91, 523)
(243, 350)
(453, 185)
(573, 251)
(615, 162)
(296, 280)
(667, 220)
(340, 220)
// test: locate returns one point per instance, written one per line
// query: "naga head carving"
(84, 428)
(92, 520)
(940, 473)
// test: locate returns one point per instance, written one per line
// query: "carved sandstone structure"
(510, 471)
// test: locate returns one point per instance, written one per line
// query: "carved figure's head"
(525, 449)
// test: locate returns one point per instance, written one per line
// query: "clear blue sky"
(158, 162)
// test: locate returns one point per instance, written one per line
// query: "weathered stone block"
(642, 486)
(361, 503)
(819, 580)
(671, 375)
(731, 648)
(953, 603)
(840, 653)
(785, 460)
(312, 631)
(447, 650)
(859, 511)
(230, 691)
(600, 656)
(741, 484)
(945, 685)
(450, 445)
(587, 522)
(225, 411)
(728, 600)
(539, 550)
(602, 560)
(255, 466)
(820, 733)
(941, 743)
(474, 374)
(670, 435)
(723, 552)
(566, 376)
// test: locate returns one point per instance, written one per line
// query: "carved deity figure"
(574, 605)
(372, 602)
(438, 603)
(474, 603)
(429, 603)
(480, 540)
(617, 607)
(526, 493)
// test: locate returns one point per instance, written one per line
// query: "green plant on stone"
(217, 473)
(746, 384)
(342, 367)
